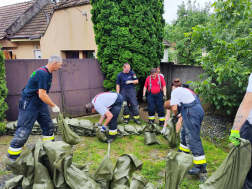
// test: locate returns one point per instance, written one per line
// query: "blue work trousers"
(30, 110)
(246, 133)
(156, 100)
(129, 95)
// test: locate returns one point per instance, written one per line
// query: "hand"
(164, 97)
(129, 82)
(164, 130)
(97, 124)
(234, 137)
(144, 98)
(179, 115)
(103, 129)
(55, 109)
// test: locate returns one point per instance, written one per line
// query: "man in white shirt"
(109, 105)
(242, 127)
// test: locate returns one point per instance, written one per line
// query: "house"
(167, 45)
(38, 29)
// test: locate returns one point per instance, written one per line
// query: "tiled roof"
(37, 25)
(71, 3)
(9, 13)
(167, 43)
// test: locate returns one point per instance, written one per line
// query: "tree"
(227, 39)
(187, 17)
(3, 89)
(128, 31)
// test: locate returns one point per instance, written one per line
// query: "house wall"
(68, 30)
(22, 49)
(165, 58)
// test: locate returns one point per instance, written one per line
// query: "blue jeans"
(156, 100)
(246, 133)
(30, 110)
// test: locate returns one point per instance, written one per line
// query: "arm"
(118, 88)
(179, 123)
(109, 117)
(135, 81)
(102, 119)
(243, 111)
(144, 91)
(167, 116)
(164, 90)
(174, 109)
(45, 98)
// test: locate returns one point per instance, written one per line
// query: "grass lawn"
(92, 151)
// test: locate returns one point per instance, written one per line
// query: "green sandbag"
(67, 134)
(125, 165)
(150, 138)
(166, 134)
(121, 132)
(74, 177)
(172, 136)
(150, 186)
(14, 182)
(24, 165)
(84, 168)
(41, 176)
(131, 129)
(121, 187)
(104, 173)
(232, 172)
(138, 182)
(147, 128)
(120, 116)
(55, 151)
(74, 122)
(157, 129)
(177, 167)
(139, 129)
(100, 135)
(87, 124)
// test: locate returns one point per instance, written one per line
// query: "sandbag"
(14, 182)
(121, 132)
(67, 134)
(138, 182)
(172, 136)
(74, 122)
(100, 135)
(139, 129)
(150, 138)
(84, 168)
(87, 124)
(232, 172)
(125, 165)
(120, 116)
(24, 165)
(131, 129)
(177, 167)
(121, 187)
(150, 186)
(104, 173)
(157, 129)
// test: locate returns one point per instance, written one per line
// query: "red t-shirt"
(155, 88)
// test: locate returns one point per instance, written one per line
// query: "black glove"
(164, 97)
(175, 119)
(144, 98)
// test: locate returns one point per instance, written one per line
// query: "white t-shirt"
(181, 94)
(103, 101)
(249, 89)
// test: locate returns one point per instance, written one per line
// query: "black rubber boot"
(111, 138)
(182, 151)
(151, 121)
(198, 169)
(161, 123)
(137, 121)
(126, 120)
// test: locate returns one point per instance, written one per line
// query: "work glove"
(129, 82)
(98, 125)
(164, 97)
(164, 130)
(103, 129)
(144, 98)
(55, 109)
(234, 137)
(175, 119)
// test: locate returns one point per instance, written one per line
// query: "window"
(88, 54)
(72, 54)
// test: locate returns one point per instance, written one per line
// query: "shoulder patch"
(134, 76)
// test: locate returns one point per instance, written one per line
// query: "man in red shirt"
(156, 95)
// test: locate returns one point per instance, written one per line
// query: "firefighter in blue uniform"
(125, 86)
(33, 105)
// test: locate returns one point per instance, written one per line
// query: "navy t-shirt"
(126, 76)
(40, 79)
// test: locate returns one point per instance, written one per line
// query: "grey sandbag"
(87, 124)
(172, 136)
(104, 173)
(121, 187)
(121, 132)
(120, 116)
(139, 129)
(24, 165)
(130, 129)
(84, 168)
(74, 177)
(74, 122)
(150, 138)
(67, 134)
(157, 129)
(100, 135)
(14, 182)
(166, 134)
(138, 182)
(150, 186)
(125, 165)
(177, 167)
(232, 172)
(42, 178)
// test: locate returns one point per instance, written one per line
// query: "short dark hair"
(153, 70)
(89, 107)
(176, 82)
(126, 64)
(159, 67)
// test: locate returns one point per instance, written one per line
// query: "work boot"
(126, 120)
(151, 121)
(182, 151)
(145, 109)
(11, 160)
(137, 121)
(111, 138)
(198, 169)
(161, 123)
